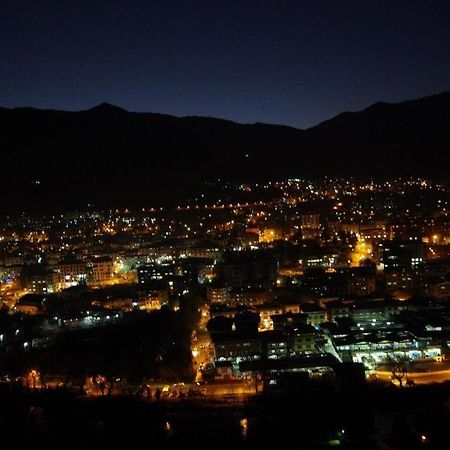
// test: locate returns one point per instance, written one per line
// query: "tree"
(399, 369)
(101, 383)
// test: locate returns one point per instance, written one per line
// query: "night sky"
(289, 62)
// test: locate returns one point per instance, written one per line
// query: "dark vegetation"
(312, 416)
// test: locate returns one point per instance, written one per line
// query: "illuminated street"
(362, 251)
(420, 377)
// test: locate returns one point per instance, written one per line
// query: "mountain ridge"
(107, 155)
(105, 106)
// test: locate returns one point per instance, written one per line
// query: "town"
(240, 289)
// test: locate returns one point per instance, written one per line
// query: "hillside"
(107, 155)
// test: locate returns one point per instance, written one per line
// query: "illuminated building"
(310, 221)
(401, 254)
(305, 339)
(320, 261)
(153, 301)
(267, 312)
(374, 231)
(371, 313)
(204, 250)
(399, 280)
(155, 272)
(218, 294)
(124, 304)
(100, 270)
(39, 280)
(249, 296)
(310, 226)
(315, 314)
(270, 235)
(377, 347)
(277, 369)
(276, 345)
(236, 347)
(71, 273)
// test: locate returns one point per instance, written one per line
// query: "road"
(236, 388)
(435, 376)
(202, 351)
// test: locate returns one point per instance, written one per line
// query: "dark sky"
(290, 62)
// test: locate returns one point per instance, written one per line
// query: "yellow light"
(244, 427)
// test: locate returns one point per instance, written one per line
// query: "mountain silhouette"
(107, 155)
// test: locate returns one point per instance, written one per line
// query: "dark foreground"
(315, 416)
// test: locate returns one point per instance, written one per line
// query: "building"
(246, 269)
(270, 234)
(361, 281)
(399, 279)
(401, 254)
(204, 250)
(383, 346)
(39, 280)
(310, 221)
(124, 304)
(276, 345)
(100, 270)
(288, 321)
(155, 272)
(305, 339)
(326, 261)
(436, 287)
(323, 283)
(375, 312)
(337, 310)
(218, 295)
(151, 302)
(249, 296)
(374, 231)
(315, 314)
(236, 347)
(71, 273)
(10, 273)
(266, 312)
(276, 371)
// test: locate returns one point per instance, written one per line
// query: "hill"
(112, 157)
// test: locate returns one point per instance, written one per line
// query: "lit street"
(437, 376)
